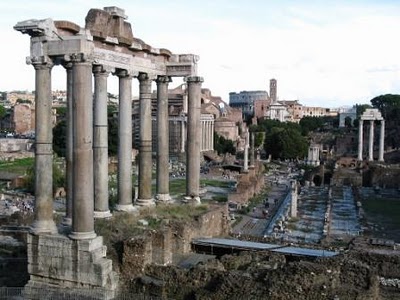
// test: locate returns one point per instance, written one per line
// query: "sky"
(327, 53)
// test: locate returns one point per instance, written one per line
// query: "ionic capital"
(78, 58)
(142, 77)
(122, 73)
(100, 70)
(40, 62)
(163, 79)
(194, 79)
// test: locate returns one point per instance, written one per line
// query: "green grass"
(388, 210)
(18, 166)
(177, 186)
(216, 183)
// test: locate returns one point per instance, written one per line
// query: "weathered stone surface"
(57, 260)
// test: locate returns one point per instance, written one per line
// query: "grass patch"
(177, 186)
(18, 166)
(215, 183)
(180, 212)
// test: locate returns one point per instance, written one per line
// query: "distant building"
(216, 116)
(246, 101)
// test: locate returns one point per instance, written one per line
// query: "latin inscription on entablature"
(112, 59)
(181, 70)
(127, 62)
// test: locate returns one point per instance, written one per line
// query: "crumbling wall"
(172, 241)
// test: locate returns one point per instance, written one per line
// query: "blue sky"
(324, 53)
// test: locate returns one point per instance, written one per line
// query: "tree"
(387, 104)
(223, 145)
(60, 138)
(3, 111)
(285, 143)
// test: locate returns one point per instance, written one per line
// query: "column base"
(145, 202)
(192, 199)
(102, 214)
(82, 235)
(163, 198)
(125, 208)
(45, 227)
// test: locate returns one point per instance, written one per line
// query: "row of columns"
(207, 135)
(371, 140)
(87, 144)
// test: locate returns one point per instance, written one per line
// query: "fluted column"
(145, 162)
(193, 138)
(360, 140)
(162, 139)
(43, 219)
(125, 142)
(371, 141)
(382, 141)
(83, 202)
(100, 144)
(69, 147)
(246, 153)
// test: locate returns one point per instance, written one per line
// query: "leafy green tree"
(387, 104)
(3, 111)
(60, 138)
(285, 143)
(223, 145)
(58, 178)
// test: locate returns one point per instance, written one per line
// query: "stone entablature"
(106, 40)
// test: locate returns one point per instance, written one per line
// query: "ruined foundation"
(55, 261)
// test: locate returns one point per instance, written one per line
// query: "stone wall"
(56, 260)
(171, 242)
(248, 185)
(15, 145)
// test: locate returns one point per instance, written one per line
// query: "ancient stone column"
(371, 141)
(193, 138)
(125, 142)
(145, 161)
(69, 146)
(360, 140)
(183, 134)
(293, 194)
(83, 202)
(162, 139)
(212, 134)
(381, 141)
(43, 219)
(246, 153)
(100, 143)
(252, 151)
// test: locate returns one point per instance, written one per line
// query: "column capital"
(194, 79)
(163, 79)
(78, 58)
(122, 73)
(40, 62)
(67, 65)
(146, 76)
(100, 70)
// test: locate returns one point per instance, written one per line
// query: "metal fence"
(22, 293)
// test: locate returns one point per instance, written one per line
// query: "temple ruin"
(371, 115)
(106, 45)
